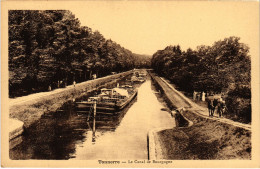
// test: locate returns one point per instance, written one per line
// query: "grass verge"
(205, 139)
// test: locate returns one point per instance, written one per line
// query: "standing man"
(194, 95)
(210, 107)
(49, 88)
(203, 96)
(198, 96)
(215, 103)
(222, 108)
(219, 108)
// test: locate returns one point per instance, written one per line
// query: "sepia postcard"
(130, 84)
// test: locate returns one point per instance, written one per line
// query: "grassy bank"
(173, 101)
(205, 139)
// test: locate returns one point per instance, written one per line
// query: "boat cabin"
(107, 92)
(115, 93)
(92, 99)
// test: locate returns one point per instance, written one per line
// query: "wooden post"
(95, 108)
(94, 121)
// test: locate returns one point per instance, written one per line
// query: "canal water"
(68, 135)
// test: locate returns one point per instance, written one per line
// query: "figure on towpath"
(198, 96)
(194, 95)
(203, 96)
(215, 103)
(210, 107)
(221, 107)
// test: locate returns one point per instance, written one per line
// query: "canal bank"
(69, 135)
(207, 138)
(29, 109)
(129, 139)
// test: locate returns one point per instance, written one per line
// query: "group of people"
(199, 96)
(216, 105)
(59, 84)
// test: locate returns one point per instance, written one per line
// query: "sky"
(147, 26)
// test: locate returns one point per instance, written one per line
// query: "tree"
(222, 67)
(50, 46)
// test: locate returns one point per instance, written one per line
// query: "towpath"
(23, 99)
(184, 101)
(35, 96)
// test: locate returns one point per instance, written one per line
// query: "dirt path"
(31, 97)
(201, 111)
(36, 96)
(20, 100)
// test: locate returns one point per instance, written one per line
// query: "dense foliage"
(223, 67)
(50, 46)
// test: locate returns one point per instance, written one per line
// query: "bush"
(239, 104)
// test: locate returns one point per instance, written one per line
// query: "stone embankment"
(28, 109)
(196, 136)
(15, 130)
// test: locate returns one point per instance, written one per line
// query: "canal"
(68, 135)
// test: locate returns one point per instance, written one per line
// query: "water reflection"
(129, 139)
(67, 134)
(56, 135)
(52, 137)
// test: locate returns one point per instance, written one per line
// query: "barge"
(109, 101)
